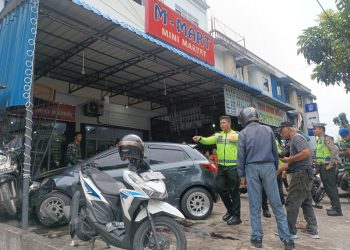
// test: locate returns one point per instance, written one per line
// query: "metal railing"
(221, 31)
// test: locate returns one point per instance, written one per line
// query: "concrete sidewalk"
(13, 238)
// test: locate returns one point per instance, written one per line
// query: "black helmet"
(131, 146)
(247, 115)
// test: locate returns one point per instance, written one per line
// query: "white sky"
(271, 28)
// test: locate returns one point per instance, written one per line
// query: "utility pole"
(33, 7)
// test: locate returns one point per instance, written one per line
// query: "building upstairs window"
(300, 101)
(141, 2)
(287, 96)
(279, 90)
(266, 85)
(239, 73)
(186, 15)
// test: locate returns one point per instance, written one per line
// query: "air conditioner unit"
(93, 109)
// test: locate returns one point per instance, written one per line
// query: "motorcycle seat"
(105, 182)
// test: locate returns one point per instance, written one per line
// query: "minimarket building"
(93, 73)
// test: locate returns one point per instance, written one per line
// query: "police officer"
(326, 156)
(227, 181)
(345, 150)
(73, 150)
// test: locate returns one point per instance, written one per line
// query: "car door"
(176, 166)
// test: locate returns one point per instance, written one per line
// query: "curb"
(13, 238)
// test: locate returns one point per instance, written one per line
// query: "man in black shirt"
(299, 193)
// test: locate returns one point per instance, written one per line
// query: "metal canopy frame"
(121, 62)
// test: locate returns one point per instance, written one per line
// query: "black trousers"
(280, 190)
(227, 185)
(329, 179)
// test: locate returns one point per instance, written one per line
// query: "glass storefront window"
(99, 139)
(48, 145)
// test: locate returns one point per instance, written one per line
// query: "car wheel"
(197, 204)
(50, 209)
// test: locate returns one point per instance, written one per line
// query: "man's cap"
(284, 125)
(319, 125)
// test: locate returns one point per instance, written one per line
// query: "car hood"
(51, 173)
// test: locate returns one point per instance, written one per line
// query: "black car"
(190, 181)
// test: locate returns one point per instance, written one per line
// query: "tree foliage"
(341, 120)
(327, 45)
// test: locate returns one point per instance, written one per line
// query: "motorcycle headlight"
(3, 159)
(154, 194)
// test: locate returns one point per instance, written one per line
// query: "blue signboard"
(311, 107)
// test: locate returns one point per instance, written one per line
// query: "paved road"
(215, 234)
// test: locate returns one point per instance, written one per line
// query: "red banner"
(60, 112)
(54, 111)
(166, 24)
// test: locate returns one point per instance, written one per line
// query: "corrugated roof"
(163, 44)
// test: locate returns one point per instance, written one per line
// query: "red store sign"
(54, 111)
(166, 24)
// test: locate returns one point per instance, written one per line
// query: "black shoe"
(318, 206)
(226, 216)
(234, 220)
(266, 213)
(256, 242)
(334, 213)
(288, 244)
(329, 209)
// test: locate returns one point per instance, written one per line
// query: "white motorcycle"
(125, 218)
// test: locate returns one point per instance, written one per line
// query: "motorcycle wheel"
(8, 200)
(83, 225)
(170, 234)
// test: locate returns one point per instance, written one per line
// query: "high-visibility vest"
(279, 150)
(226, 146)
(323, 154)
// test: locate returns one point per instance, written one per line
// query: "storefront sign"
(54, 111)
(164, 23)
(60, 112)
(235, 101)
(311, 116)
(269, 114)
(311, 107)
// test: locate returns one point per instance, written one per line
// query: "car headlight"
(3, 159)
(35, 185)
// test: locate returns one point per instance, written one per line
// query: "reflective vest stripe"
(227, 161)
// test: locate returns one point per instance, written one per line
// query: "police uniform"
(345, 145)
(227, 180)
(73, 153)
(327, 153)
